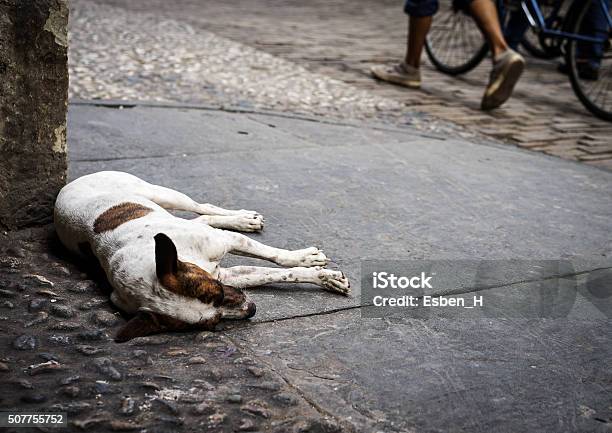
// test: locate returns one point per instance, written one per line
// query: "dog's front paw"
(334, 281)
(307, 257)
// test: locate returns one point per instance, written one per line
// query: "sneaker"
(402, 74)
(507, 69)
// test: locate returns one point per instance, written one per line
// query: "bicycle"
(536, 43)
(455, 46)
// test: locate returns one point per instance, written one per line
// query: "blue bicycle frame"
(538, 22)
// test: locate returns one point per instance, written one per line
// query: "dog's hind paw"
(334, 281)
(249, 222)
(307, 257)
(248, 213)
(242, 222)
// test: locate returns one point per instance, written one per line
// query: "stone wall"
(33, 103)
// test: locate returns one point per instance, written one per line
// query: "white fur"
(127, 253)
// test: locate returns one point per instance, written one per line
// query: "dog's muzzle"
(245, 311)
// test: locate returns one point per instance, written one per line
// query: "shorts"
(427, 8)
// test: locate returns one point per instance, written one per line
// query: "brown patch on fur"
(232, 297)
(194, 282)
(113, 217)
(187, 279)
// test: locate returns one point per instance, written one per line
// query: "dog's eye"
(215, 298)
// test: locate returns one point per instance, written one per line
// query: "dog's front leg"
(252, 276)
(245, 246)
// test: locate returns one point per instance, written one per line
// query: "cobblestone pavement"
(56, 330)
(333, 43)
(141, 56)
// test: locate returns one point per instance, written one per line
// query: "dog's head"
(195, 287)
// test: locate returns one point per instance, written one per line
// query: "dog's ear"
(166, 257)
(146, 322)
(142, 324)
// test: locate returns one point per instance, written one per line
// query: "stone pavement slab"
(366, 192)
(437, 375)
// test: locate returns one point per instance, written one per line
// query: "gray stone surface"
(360, 193)
(476, 375)
(34, 92)
(364, 193)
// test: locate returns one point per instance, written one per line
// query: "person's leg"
(515, 28)
(407, 73)
(485, 15)
(595, 24)
(589, 54)
(418, 27)
(508, 65)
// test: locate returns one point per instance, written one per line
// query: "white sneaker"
(401, 73)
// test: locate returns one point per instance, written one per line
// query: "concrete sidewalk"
(360, 192)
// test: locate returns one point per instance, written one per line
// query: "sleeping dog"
(165, 270)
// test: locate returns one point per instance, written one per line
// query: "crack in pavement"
(209, 152)
(228, 109)
(346, 426)
(515, 283)
(247, 348)
(332, 379)
(451, 292)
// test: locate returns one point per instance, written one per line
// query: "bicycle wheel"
(590, 63)
(454, 44)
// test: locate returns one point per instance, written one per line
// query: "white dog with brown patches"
(164, 269)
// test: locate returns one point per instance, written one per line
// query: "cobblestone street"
(313, 58)
(140, 56)
(58, 355)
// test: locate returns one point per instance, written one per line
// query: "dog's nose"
(250, 309)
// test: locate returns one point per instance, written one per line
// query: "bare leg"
(485, 14)
(418, 28)
(252, 276)
(241, 223)
(244, 246)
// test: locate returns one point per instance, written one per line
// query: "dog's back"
(81, 204)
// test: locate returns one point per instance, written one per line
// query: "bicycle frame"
(539, 24)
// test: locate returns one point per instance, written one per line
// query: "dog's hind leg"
(241, 223)
(245, 246)
(171, 199)
(252, 276)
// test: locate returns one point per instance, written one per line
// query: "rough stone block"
(33, 95)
